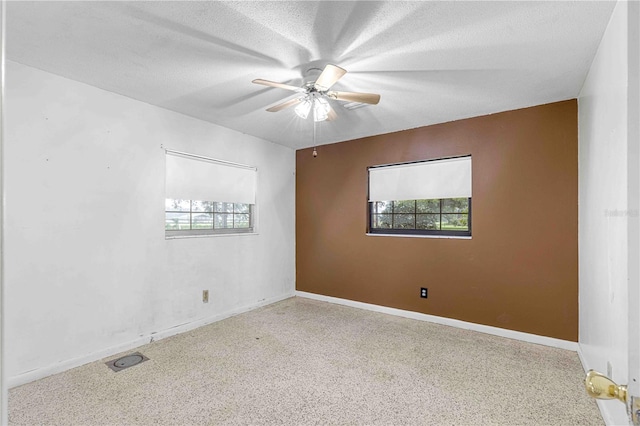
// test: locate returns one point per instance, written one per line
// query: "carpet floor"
(304, 362)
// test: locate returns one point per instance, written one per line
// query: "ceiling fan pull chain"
(313, 107)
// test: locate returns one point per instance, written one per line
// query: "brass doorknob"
(600, 386)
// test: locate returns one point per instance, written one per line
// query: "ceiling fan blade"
(279, 85)
(328, 77)
(365, 98)
(331, 115)
(283, 105)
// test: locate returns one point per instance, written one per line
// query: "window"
(206, 196)
(422, 198)
(436, 216)
(191, 215)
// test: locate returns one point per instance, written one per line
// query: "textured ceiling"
(431, 62)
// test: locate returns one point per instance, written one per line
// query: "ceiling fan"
(315, 91)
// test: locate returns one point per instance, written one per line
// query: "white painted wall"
(603, 210)
(89, 271)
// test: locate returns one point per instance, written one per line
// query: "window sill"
(180, 237)
(451, 237)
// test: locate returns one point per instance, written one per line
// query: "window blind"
(191, 177)
(435, 179)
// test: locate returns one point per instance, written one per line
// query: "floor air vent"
(126, 361)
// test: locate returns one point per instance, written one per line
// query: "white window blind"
(448, 178)
(191, 177)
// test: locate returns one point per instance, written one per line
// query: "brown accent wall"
(520, 269)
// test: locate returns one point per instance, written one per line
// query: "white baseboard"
(582, 358)
(517, 335)
(59, 367)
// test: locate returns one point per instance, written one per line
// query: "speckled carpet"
(304, 362)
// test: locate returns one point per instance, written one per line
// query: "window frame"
(169, 233)
(425, 232)
(416, 232)
(185, 233)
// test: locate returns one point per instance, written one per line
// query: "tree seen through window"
(450, 214)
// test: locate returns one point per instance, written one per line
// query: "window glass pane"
(202, 206)
(176, 221)
(455, 205)
(428, 221)
(381, 221)
(171, 205)
(202, 221)
(241, 220)
(455, 222)
(404, 206)
(223, 220)
(224, 208)
(198, 215)
(422, 215)
(428, 206)
(241, 208)
(384, 207)
(403, 221)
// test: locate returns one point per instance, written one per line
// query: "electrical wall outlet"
(423, 292)
(205, 296)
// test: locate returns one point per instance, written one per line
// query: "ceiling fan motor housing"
(310, 77)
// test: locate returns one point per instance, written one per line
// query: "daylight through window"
(207, 196)
(190, 215)
(422, 198)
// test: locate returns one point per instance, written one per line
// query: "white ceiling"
(431, 62)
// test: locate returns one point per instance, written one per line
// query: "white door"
(599, 386)
(633, 93)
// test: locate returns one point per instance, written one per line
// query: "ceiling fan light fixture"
(321, 109)
(303, 108)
